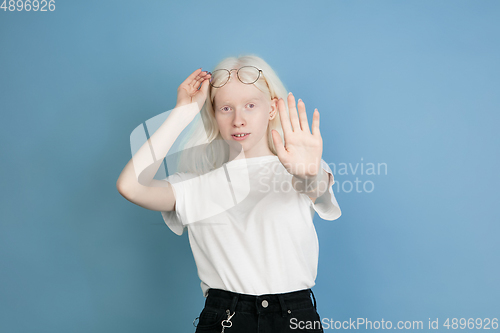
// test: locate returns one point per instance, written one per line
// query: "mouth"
(241, 136)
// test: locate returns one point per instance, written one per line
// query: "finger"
(315, 123)
(205, 84)
(204, 76)
(303, 116)
(285, 120)
(191, 77)
(278, 144)
(206, 81)
(294, 118)
(198, 80)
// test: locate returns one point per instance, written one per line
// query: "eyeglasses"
(246, 74)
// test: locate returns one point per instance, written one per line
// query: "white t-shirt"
(249, 230)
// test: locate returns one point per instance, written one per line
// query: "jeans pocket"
(305, 320)
(211, 318)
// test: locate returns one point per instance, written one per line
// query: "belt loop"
(283, 306)
(233, 305)
(313, 298)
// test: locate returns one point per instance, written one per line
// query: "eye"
(251, 105)
(225, 109)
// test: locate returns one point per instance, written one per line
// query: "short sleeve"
(326, 205)
(198, 198)
(172, 218)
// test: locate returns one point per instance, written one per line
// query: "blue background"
(413, 84)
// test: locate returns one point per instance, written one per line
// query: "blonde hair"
(204, 149)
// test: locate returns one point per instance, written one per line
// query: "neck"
(249, 154)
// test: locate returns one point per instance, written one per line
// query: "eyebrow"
(250, 99)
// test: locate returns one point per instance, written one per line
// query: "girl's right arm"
(136, 182)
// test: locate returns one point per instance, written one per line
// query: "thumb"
(201, 94)
(204, 87)
(278, 144)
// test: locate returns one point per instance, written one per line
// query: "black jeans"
(270, 313)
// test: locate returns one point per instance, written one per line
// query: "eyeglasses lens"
(219, 78)
(246, 74)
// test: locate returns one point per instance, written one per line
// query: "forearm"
(142, 167)
(314, 186)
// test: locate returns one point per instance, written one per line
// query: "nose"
(238, 119)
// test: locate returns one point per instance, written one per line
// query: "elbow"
(337, 213)
(122, 189)
(333, 215)
(119, 186)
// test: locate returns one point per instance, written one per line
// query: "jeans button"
(265, 304)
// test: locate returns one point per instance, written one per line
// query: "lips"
(240, 137)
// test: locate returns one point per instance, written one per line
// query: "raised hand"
(188, 91)
(301, 154)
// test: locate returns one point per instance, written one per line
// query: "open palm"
(301, 153)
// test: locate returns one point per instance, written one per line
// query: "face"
(242, 108)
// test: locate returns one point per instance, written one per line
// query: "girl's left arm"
(301, 154)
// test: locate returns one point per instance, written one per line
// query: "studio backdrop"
(408, 95)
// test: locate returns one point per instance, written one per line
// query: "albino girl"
(251, 178)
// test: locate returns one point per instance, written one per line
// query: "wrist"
(186, 111)
(313, 186)
(310, 177)
(187, 106)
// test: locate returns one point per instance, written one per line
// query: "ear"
(274, 108)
